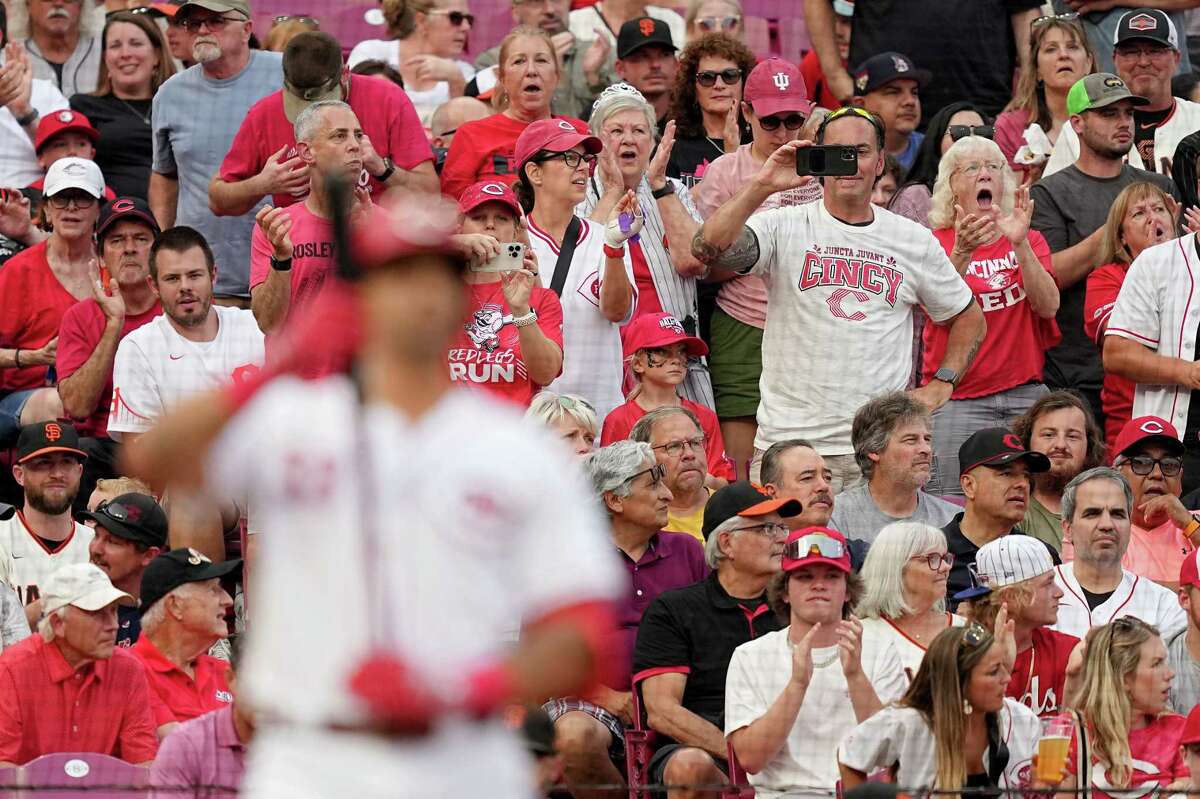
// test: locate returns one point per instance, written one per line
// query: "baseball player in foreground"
(404, 527)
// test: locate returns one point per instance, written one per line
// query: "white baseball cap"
(1011, 559)
(74, 173)
(82, 585)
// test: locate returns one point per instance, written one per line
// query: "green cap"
(217, 6)
(1098, 90)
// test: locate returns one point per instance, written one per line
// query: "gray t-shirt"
(856, 515)
(195, 119)
(1185, 688)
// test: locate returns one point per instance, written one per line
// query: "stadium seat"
(794, 40)
(758, 36)
(740, 786)
(639, 745)
(82, 775)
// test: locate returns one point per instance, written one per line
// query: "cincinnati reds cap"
(743, 498)
(74, 173)
(1149, 24)
(555, 135)
(60, 122)
(134, 517)
(175, 568)
(82, 585)
(1191, 727)
(45, 437)
(660, 330)
(1098, 90)
(810, 545)
(640, 32)
(776, 85)
(884, 68)
(1189, 574)
(125, 208)
(1144, 428)
(996, 446)
(488, 191)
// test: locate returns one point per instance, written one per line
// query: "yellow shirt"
(690, 523)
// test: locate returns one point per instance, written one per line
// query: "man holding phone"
(843, 273)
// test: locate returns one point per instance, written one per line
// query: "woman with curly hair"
(707, 104)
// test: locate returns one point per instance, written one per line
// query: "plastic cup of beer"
(1053, 747)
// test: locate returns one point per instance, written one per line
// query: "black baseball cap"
(134, 517)
(175, 568)
(1146, 23)
(45, 437)
(125, 208)
(743, 498)
(884, 68)
(637, 33)
(996, 446)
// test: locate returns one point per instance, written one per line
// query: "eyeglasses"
(1070, 16)
(814, 544)
(791, 122)
(657, 472)
(1152, 52)
(935, 560)
(456, 18)
(714, 24)
(976, 168)
(709, 77)
(769, 529)
(1142, 465)
(63, 199)
(282, 18)
(974, 635)
(214, 24)
(675, 448)
(571, 158)
(962, 131)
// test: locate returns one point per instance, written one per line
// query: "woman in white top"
(905, 597)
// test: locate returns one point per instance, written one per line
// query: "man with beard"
(1061, 427)
(646, 61)
(60, 46)
(197, 113)
(41, 536)
(671, 433)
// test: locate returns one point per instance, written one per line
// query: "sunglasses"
(1069, 16)
(935, 560)
(214, 24)
(714, 24)
(708, 77)
(64, 199)
(117, 511)
(456, 18)
(814, 544)
(282, 18)
(1142, 465)
(962, 131)
(791, 122)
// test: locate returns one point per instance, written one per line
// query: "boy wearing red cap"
(61, 135)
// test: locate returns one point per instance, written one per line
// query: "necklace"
(720, 148)
(134, 111)
(820, 664)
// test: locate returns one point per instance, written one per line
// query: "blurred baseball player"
(404, 526)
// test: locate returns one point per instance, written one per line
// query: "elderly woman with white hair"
(904, 600)
(571, 418)
(663, 267)
(981, 218)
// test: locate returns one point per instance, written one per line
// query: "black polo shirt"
(964, 550)
(693, 631)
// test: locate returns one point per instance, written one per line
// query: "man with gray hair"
(893, 447)
(1097, 508)
(62, 40)
(630, 486)
(677, 438)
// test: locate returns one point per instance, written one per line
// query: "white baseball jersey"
(839, 316)
(26, 561)
(428, 538)
(1135, 596)
(156, 368)
(592, 356)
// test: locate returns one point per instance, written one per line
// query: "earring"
(967, 709)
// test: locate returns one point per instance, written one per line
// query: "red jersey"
(1154, 750)
(30, 314)
(383, 109)
(620, 422)
(1103, 286)
(814, 81)
(1013, 351)
(1040, 672)
(487, 352)
(484, 149)
(174, 696)
(81, 330)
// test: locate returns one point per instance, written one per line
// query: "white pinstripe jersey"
(1135, 596)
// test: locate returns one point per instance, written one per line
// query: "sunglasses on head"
(814, 544)
(791, 122)
(716, 24)
(974, 634)
(962, 131)
(708, 77)
(1070, 16)
(282, 18)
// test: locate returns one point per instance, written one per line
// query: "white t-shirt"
(900, 735)
(156, 368)
(839, 316)
(18, 161)
(1135, 596)
(758, 673)
(911, 653)
(592, 356)
(426, 537)
(584, 23)
(25, 562)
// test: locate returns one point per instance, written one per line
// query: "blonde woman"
(571, 418)
(714, 16)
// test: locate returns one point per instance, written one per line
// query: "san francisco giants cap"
(1146, 428)
(775, 85)
(642, 32)
(997, 446)
(1098, 90)
(43, 438)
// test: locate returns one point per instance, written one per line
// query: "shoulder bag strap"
(566, 252)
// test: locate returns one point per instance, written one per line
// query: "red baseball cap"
(810, 545)
(776, 85)
(1142, 428)
(60, 121)
(1191, 727)
(406, 224)
(488, 191)
(555, 135)
(660, 330)
(1189, 574)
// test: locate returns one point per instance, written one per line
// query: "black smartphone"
(823, 160)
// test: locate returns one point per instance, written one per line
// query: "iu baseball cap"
(81, 585)
(1191, 727)
(1145, 428)
(488, 191)
(775, 85)
(61, 122)
(641, 32)
(122, 208)
(743, 498)
(810, 545)
(134, 517)
(660, 330)
(312, 71)
(216, 6)
(880, 70)
(175, 568)
(1008, 560)
(1148, 24)
(43, 438)
(1098, 90)
(74, 173)
(996, 446)
(555, 135)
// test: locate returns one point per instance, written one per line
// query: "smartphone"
(827, 160)
(510, 259)
(105, 279)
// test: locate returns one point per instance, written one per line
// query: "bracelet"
(614, 252)
(666, 191)
(17, 358)
(525, 320)
(1192, 527)
(284, 265)
(28, 119)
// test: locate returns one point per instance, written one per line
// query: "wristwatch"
(388, 169)
(28, 119)
(281, 266)
(666, 191)
(946, 376)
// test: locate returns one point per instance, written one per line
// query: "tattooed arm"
(739, 257)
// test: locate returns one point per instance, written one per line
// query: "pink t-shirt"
(744, 298)
(1158, 553)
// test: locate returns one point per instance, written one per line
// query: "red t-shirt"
(484, 149)
(383, 109)
(647, 295)
(1013, 351)
(32, 304)
(620, 422)
(1103, 286)
(814, 81)
(81, 330)
(487, 353)
(1154, 750)
(1040, 672)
